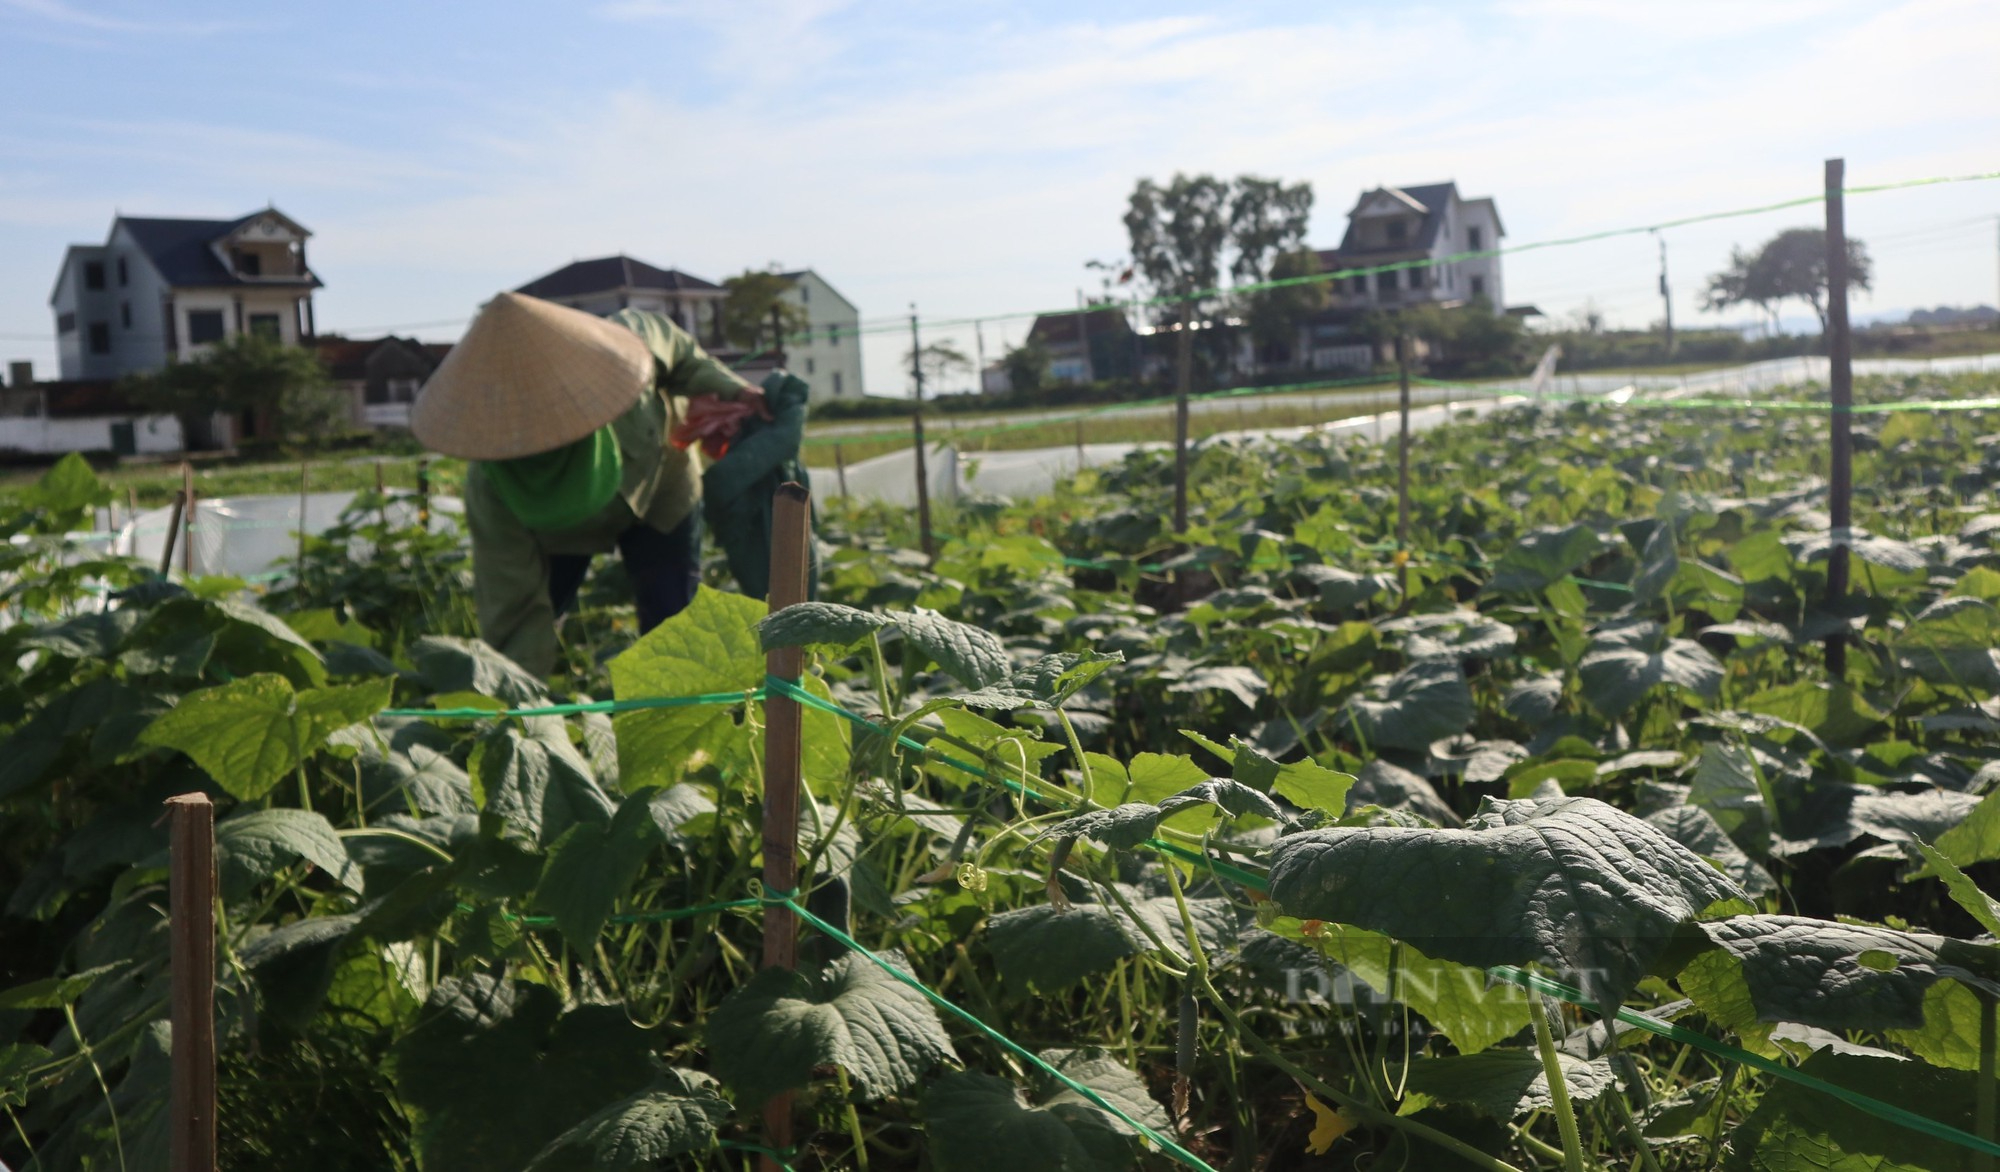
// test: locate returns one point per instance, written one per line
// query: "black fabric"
(665, 569)
(736, 490)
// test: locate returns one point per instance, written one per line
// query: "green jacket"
(737, 489)
(661, 485)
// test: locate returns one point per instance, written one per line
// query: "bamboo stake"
(187, 517)
(1840, 393)
(791, 539)
(302, 522)
(172, 535)
(191, 1135)
(1181, 379)
(1403, 468)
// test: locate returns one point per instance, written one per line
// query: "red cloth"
(713, 422)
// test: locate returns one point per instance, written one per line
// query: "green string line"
(1108, 409)
(1664, 1029)
(1169, 1146)
(788, 688)
(653, 917)
(777, 1157)
(574, 709)
(1984, 404)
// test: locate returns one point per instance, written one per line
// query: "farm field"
(1548, 842)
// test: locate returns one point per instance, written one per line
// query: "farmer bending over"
(565, 419)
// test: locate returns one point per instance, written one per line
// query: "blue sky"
(969, 157)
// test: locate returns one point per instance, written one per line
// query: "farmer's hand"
(754, 396)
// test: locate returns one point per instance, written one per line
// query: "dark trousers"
(665, 569)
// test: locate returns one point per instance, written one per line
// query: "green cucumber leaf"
(980, 1123)
(1507, 1084)
(250, 733)
(709, 647)
(769, 1035)
(253, 845)
(675, 1116)
(1571, 882)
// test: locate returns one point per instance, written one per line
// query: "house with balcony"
(1449, 242)
(161, 290)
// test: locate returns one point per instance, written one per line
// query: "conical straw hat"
(528, 377)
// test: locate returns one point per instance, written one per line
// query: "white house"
(828, 355)
(1455, 238)
(162, 289)
(1431, 222)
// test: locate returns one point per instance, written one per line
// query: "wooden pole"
(791, 538)
(187, 517)
(381, 495)
(424, 492)
(917, 430)
(1403, 466)
(191, 931)
(172, 536)
(840, 470)
(1181, 380)
(302, 521)
(1840, 389)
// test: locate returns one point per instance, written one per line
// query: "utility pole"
(979, 347)
(1083, 337)
(1666, 298)
(917, 429)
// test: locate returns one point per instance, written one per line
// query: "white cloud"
(59, 13)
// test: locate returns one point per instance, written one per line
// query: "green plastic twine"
(1169, 1146)
(575, 709)
(1665, 1029)
(773, 684)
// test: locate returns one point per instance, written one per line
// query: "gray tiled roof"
(605, 273)
(180, 250)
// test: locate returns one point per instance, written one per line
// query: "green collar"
(560, 489)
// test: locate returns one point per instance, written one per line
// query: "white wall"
(1479, 214)
(142, 345)
(832, 365)
(154, 433)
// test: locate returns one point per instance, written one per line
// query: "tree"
(1027, 366)
(746, 314)
(1790, 266)
(1267, 221)
(1177, 234)
(938, 361)
(1180, 234)
(1276, 315)
(244, 372)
